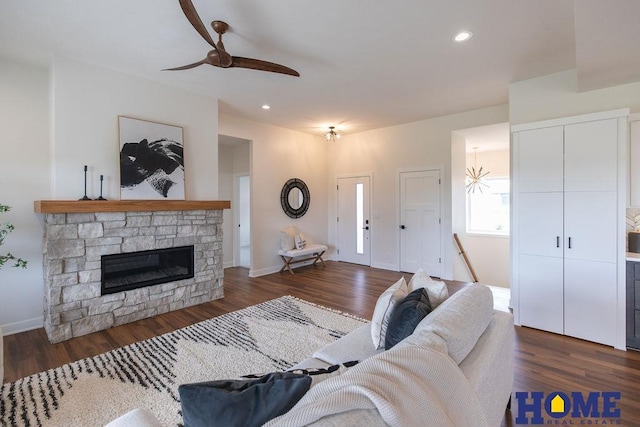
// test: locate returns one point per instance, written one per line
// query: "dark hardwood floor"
(544, 362)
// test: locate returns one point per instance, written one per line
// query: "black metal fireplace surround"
(126, 271)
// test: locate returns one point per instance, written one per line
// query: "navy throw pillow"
(406, 316)
(241, 402)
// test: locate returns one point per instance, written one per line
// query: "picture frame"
(151, 160)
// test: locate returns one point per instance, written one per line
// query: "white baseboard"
(271, 270)
(264, 271)
(385, 266)
(22, 326)
(227, 264)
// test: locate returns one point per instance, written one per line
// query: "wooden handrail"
(466, 259)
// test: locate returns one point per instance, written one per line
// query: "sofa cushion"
(436, 289)
(384, 307)
(461, 319)
(356, 345)
(241, 402)
(406, 316)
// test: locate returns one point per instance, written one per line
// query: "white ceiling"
(486, 138)
(364, 64)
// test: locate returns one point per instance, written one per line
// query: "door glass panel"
(360, 218)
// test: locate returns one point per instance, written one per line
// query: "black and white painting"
(151, 160)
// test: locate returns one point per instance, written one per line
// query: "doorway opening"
(481, 217)
(234, 183)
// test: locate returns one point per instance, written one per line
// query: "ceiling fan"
(219, 57)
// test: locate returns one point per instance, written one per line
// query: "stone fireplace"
(75, 243)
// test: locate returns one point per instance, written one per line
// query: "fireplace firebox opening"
(126, 271)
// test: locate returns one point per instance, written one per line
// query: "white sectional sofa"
(464, 330)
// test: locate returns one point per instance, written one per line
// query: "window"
(488, 211)
(360, 218)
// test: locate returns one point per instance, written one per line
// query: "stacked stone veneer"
(75, 242)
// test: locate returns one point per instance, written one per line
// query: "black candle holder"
(85, 184)
(101, 179)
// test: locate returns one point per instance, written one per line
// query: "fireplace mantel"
(84, 206)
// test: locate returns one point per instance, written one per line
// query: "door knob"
(403, 227)
(365, 228)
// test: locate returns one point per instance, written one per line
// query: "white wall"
(278, 154)
(59, 120)
(24, 175)
(555, 96)
(424, 144)
(86, 103)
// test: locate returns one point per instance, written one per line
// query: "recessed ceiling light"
(463, 36)
(266, 107)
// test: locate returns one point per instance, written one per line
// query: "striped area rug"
(91, 392)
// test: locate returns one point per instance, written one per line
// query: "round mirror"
(295, 198)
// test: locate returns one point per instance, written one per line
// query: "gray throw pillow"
(241, 402)
(406, 316)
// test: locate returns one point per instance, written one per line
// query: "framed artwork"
(151, 160)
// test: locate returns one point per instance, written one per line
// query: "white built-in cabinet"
(568, 226)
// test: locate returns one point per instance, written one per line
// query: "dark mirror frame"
(284, 198)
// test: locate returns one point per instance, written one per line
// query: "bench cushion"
(310, 249)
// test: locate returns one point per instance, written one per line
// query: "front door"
(420, 228)
(353, 220)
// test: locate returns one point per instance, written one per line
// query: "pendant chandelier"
(332, 135)
(475, 175)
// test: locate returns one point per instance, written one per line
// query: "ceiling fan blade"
(191, 14)
(186, 67)
(257, 64)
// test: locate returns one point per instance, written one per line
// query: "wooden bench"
(291, 257)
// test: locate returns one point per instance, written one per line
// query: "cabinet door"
(591, 224)
(541, 292)
(591, 156)
(540, 159)
(539, 228)
(590, 307)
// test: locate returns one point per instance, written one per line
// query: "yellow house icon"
(557, 405)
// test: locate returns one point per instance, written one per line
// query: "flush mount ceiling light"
(266, 107)
(463, 36)
(332, 135)
(475, 176)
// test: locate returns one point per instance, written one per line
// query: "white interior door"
(353, 220)
(541, 282)
(590, 300)
(540, 224)
(590, 225)
(420, 228)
